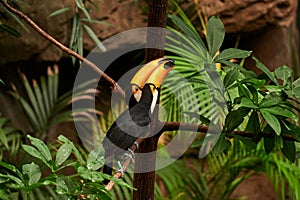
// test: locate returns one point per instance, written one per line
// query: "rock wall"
(116, 15)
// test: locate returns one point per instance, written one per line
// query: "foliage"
(79, 23)
(86, 182)
(6, 15)
(220, 93)
(42, 105)
(10, 139)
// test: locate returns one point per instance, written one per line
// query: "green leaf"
(94, 37)
(243, 91)
(222, 145)
(80, 5)
(215, 33)
(230, 53)
(95, 159)
(269, 145)
(263, 68)
(253, 124)
(3, 138)
(63, 154)
(271, 120)
(245, 102)
(285, 112)
(230, 77)
(75, 150)
(11, 31)
(289, 150)
(93, 176)
(235, 118)
(42, 148)
(33, 152)
(271, 99)
(296, 87)
(33, 172)
(10, 167)
(58, 12)
(284, 73)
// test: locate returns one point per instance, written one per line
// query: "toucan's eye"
(135, 89)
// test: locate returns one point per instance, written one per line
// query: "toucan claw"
(136, 145)
(120, 169)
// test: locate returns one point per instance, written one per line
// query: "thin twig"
(114, 86)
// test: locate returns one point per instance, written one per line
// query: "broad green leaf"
(271, 120)
(215, 33)
(235, 118)
(63, 153)
(289, 150)
(257, 83)
(243, 91)
(285, 112)
(245, 102)
(222, 145)
(95, 159)
(284, 73)
(94, 176)
(33, 172)
(33, 152)
(263, 68)
(269, 145)
(246, 73)
(42, 147)
(296, 87)
(230, 77)
(76, 152)
(230, 53)
(253, 124)
(271, 99)
(58, 12)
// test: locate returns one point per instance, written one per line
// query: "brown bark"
(144, 182)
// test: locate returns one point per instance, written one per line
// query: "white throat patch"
(154, 100)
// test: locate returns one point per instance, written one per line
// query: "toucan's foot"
(136, 145)
(120, 169)
(129, 154)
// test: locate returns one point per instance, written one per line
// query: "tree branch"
(173, 126)
(114, 86)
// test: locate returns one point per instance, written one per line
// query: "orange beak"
(159, 74)
(144, 74)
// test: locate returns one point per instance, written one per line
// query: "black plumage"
(130, 125)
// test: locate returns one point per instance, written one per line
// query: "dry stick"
(114, 86)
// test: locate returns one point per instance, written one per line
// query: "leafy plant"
(10, 139)
(42, 106)
(86, 182)
(79, 23)
(222, 94)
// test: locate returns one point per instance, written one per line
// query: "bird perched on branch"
(135, 122)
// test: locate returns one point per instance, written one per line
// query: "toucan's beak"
(144, 73)
(165, 65)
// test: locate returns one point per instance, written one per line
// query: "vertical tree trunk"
(144, 182)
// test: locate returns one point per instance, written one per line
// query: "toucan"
(134, 122)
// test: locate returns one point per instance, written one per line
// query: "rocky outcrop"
(116, 16)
